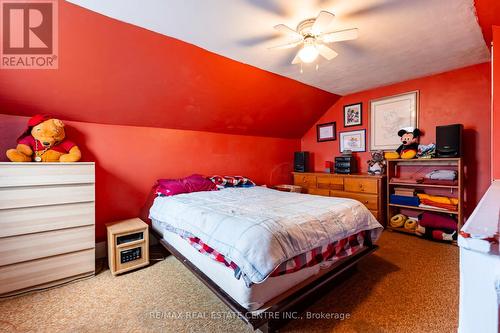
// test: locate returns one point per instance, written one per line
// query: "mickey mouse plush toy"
(409, 139)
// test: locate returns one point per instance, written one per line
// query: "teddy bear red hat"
(35, 120)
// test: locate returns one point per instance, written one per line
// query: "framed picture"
(388, 115)
(326, 132)
(353, 140)
(352, 114)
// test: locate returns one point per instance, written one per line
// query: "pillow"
(169, 187)
(198, 183)
(244, 181)
(231, 181)
(193, 183)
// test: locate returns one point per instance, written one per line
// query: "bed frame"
(275, 316)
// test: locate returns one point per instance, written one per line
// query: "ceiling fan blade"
(326, 52)
(296, 60)
(286, 46)
(287, 30)
(339, 36)
(322, 22)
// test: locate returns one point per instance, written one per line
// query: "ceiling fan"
(313, 35)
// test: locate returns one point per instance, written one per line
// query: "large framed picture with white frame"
(390, 114)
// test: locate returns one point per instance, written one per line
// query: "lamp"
(309, 52)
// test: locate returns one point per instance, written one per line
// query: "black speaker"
(449, 140)
(301, 161)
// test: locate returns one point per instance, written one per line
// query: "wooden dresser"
(370, 190)
(47, 215)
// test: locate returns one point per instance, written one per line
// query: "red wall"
(140, 83)
(130, 159)
(496, 104)
(111, 72)
(460, 96)
(488, 13)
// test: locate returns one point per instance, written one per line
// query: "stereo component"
(301, 161)
(449, 140)
(345, 165)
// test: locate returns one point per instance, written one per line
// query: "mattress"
(259, 228)
(257, 296)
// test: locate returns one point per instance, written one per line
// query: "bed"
(262, 231)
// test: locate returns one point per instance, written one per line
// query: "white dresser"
(47, 223)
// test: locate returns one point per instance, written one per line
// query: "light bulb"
(308, 53)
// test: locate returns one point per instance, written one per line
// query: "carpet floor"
(408, 285)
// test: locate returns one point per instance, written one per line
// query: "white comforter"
(259, 228)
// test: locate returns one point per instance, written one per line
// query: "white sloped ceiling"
(399, 39)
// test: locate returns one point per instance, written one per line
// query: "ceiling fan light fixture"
(308, 53)
(314, 34)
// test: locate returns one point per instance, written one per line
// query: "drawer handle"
(366, 202)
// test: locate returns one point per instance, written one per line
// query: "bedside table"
(128, 245)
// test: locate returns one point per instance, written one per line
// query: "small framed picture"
(353, 140)
(352, 114)
(326, 132)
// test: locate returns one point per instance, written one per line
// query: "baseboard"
(101, 250)
(152, 239)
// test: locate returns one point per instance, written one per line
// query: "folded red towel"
(437, 221)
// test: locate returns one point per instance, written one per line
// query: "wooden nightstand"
(128, 245)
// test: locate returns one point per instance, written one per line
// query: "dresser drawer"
(330, 182)
(318, 191)
(30, 174)
(18, 197)
(40, 271)
(33, 246)
(323, 182)
(376, 214)
(304, 180)
(21, 221)
(362, 185)
(369, 200)
(337, 183)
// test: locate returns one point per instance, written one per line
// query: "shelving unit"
(424, 166)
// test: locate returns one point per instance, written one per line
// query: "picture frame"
(390, 114)
(326, 132)
(353, 140)
(353, 114)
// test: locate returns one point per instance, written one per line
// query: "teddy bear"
(376, 165)
(44, 140)
(409, 142)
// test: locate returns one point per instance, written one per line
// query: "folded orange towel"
(438, 199)
(449, 207)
